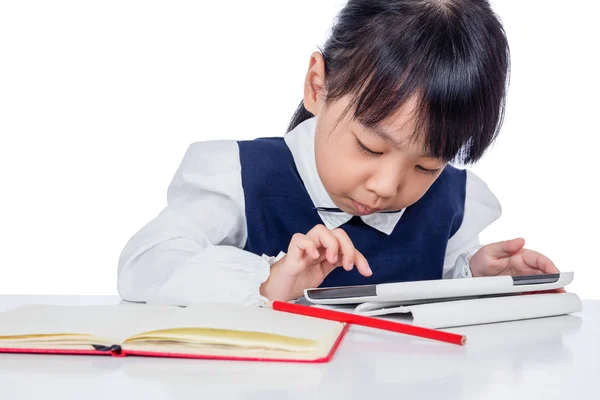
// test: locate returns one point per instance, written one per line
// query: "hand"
(510, 258)
(310, 258)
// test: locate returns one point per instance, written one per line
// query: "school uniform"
(233, 207)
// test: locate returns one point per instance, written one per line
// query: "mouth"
(361, 209)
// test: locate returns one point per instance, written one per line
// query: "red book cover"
(115, 351)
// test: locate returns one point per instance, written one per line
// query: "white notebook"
(448, 313)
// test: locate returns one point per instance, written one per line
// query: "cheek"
(340, 169)
(335, 171)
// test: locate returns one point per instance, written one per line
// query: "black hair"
(452, 54)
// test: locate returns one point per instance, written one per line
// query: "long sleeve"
(192, 251)
(481, 209)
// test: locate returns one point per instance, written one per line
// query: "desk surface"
(546, 358)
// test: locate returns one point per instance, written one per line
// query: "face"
(370, 170)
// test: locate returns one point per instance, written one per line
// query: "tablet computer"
(437, 289)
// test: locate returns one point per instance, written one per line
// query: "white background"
(99, 101)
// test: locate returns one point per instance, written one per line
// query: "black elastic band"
(114, 348)
(328, 209)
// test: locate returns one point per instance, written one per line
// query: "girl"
(360, 190)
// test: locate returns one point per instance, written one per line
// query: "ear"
(314, 95)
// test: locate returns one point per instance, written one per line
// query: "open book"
(215, 331)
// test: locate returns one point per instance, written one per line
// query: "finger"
(362, 265)
(539, 262)
(346, 248)
(324, 238)
(505, 248)
(301, 246)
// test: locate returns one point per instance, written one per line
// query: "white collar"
(301, 142)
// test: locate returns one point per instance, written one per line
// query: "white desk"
(550, 358)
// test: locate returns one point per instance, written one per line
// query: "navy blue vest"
(278, 206)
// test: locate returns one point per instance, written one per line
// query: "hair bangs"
(455, 64)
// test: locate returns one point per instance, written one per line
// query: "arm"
(481, 209)
(191, 252)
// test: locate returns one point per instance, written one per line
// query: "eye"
(365, 150)
(428, 171)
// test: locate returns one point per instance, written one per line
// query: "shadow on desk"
(507, 346)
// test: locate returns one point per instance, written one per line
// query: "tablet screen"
(347, 292)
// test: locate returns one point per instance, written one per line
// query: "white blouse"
(192, 251)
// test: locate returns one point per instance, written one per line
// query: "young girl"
(360, 189)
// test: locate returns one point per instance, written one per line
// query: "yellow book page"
(53, 339)
(225, 337)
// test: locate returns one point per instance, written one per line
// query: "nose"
(387, 181)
